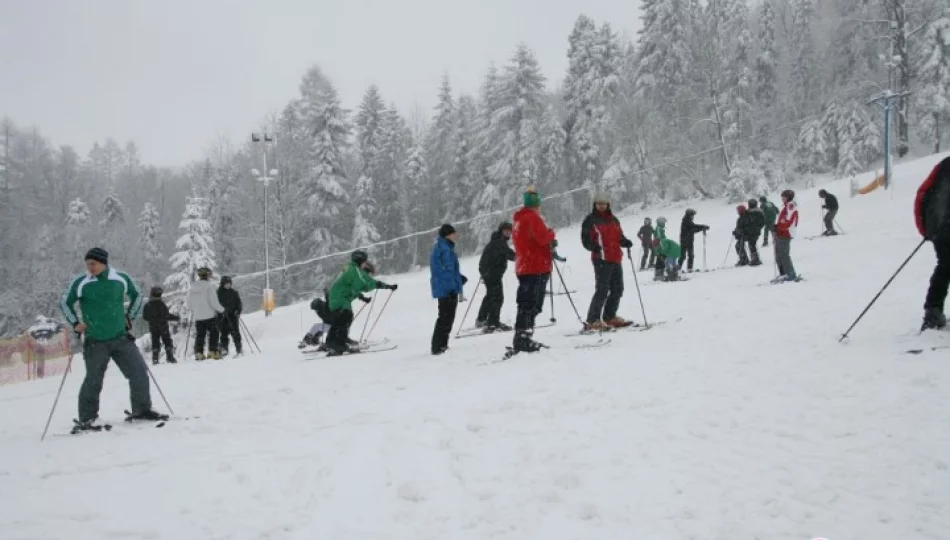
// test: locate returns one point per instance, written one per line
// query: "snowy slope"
(746, 420)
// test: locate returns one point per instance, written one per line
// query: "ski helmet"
(753, 203)
(788, 194)
(647, 220)
(690, 212)
(204, 272)
(505, 226)
(156, 292)
(822, 193)
(740, 209)
(661, 220)
(359, 256)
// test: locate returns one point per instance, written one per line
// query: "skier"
(320, 306)
(105, 324)
(535, 244)
(669, 251)
(229, 322)
(688, 231)
(353, 281)
(205, 307)
(157, 315)
(755, 222)
(932, 214)
(492, 266)
(660, 264)
(739, 234)
(784, 232)
(645, 234)
(446, 281)
(602, 235)
(830, 206)
(771, 212)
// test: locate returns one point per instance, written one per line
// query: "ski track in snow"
(745, 420)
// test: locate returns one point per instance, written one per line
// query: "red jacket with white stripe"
(787, 222)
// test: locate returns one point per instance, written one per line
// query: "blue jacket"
(446, 278)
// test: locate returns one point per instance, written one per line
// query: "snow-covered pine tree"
(113, 211)
(772, 171)
(833, 123)
(195, 249)
(810, 154)
(149, 226)
(463, 179)
(364, 230)
(746, 180)
(369, 131)
(664, 59)
(766, 79)
(78, 215)
(416, 183)
(848, 133)
(487, 142)
(933, 78)
(440, 152)
(551, 179)
(484, 207)
(804, 66)
(223, 215)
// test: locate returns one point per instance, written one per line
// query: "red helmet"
(740, 209)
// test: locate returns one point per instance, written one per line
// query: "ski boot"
(596, 326)
(171, 360)
(89, 425)
(214, 355)
(934, 319)
(200, 356)
(480, 324)
(439, 351)
(502, 327)
(154, 360)
(488, 328)
(524, 343)
(617, 322)
(755, 262)
(145, 415)
(224, 352)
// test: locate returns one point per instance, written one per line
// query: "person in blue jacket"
(447, 281)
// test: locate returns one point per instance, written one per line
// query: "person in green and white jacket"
(105, 324)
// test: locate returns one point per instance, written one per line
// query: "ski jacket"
(645, 234)
(445, 277)
(770, 211)
(352, 282)
(231, 301)
(602, 235)
(102, 302)
(787, 221)
(688, 229)
(831, 202)
(533, 243)
(157, 315)
(932, 204)
(751, 222)
(203, 300)
(494, 260)
(667, 248)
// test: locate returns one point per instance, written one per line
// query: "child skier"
(157, 315)
(204, 305)
(688, 231)
(645, 234)
(229, 322)
(932, 214)
(353, 281)
(446, 281)
(320, 306)
(492, 266)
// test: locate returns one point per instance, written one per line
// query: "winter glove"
(462, 298)
(393, 287)
(626, 243)
(705, 228)
(363, 298)
(554, 244)
(558, 258)
(464, 280)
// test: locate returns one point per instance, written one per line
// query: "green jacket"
(102, 302)
(770, 211)
(669, 249)
(353, 281)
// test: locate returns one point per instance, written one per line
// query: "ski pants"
(648, 254)
(783, 256)
(207, 328)
(126, 355)
(830, 221)
(608, 289)
(687, 255)
(443, 324)
(230, 327)
(530, 299)
(765, 232)
(740, 250)
(753, 241)
(159, 338)
(339, 333)
(490, 310)
(940, 279)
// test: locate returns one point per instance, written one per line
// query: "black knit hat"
(98, 254)
(445, 230)
(225, 280)
(359, 257)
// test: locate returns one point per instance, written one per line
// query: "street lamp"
(267, 299)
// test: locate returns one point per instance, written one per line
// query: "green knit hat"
(531, 198)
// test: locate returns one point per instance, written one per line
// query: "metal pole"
(467, 309)
(551, 283)
(368, 316)
(636, 281)
(381, 310)
(62, 381)
(887, 142)
(157, 387)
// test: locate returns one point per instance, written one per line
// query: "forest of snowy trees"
(713, 98)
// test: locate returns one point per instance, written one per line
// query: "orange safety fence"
(25, 358)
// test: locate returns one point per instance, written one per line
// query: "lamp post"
(267, 299)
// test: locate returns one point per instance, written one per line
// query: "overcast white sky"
(172, 75)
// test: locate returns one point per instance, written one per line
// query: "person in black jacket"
(688, 230)
(932, 214)
(157, 315)
(645, 234)
(229, 322)
(492, 266)
(751, 229)
(830, 206)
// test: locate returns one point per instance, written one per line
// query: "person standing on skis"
(688, 231)
(446, 280)
(535, 244)
(645, 234)
(229, 322)
(785, 229)
(752, 227)
(354, 280)
(932, 215)
(105, 325)
(830, 206)
(492, 266)
(770, 212)
(157, 315)
(205, 307)
(602, 235)
(739, 234)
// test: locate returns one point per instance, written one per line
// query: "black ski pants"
(753, 242)
(648, 254)
(443, 324)
(765, 232)
(230, 326)
(687, 255)
(608, 289)
(940, 279)
(207, 328)
(159, 338)
(490, 310)
(530, 298)
(339, 333)
(830, 221)
(740, 250)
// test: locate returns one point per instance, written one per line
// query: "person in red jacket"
(602, 235)
(785, 229)
(932, 214)
(534, 243)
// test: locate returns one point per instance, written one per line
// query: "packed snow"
(744, 420)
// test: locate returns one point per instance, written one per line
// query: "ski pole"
(726, 258)
(157, 387)
(704, 252)
(636, 281)
(369, 316)
(840, 227)
(470, 302)
(250, 335)
(381, 310)
(551, 283)
(878, 295)
(62, 381)
(568, 292)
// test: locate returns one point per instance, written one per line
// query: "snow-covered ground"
(746, 420)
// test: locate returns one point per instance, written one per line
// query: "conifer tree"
(195, 249)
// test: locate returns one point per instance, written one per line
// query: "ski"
(367, 345)
(562, 293)
(158, 422)
(595, 345)
(637, 327)
(781, 279)
(480, 332)
(927, 349)
(363, 350)
(78, 428)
